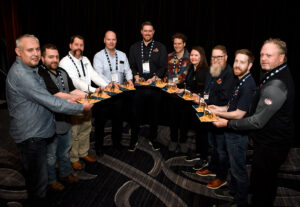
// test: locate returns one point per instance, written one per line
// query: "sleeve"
(163, 62)
(127, 70)
(36, 92)
(96, 78)
(50, 85)
(132, 60)
(272, 97)
(99, 66)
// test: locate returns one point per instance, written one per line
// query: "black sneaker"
(200, 164)
(132, 147)
(154, 145)
(223, 193)
(192, 157)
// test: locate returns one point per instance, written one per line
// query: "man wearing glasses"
(220, 84)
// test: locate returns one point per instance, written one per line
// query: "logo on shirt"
(268, 101)
(219, 81)
(155, 50)
(236, 92)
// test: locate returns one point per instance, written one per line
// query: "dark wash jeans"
(33, 153)
(237, 145)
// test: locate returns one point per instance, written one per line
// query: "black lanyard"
(174, 64)
(62, 81)
(142, 50)
(77, 67)
(237, 88)
(263, 82)
(108, 60)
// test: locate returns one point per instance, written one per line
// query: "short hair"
(179, 35)
(47, 46)
(220, 47)
(18, 40)
(76, 36)
(246, 52)
(146, 23)
(203, 61)
(280, 44)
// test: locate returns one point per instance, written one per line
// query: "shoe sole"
(223, 196)
(191, 160)
(200, 168)
(206, 175)
(214, 188)
(131, 150)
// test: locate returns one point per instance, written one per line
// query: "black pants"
(103, 111)
(265, 166)
(145, 109)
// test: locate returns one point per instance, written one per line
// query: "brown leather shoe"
(216, 183)
(70, 179)
(57, 186)
(89, 158)
(205, 172)
(77, 165)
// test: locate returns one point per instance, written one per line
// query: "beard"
(215, 70)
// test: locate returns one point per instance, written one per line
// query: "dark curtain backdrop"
(236, 24)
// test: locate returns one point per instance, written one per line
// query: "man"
(59, 84)
(148, 60)
(32, 123)
(178, 63)
(237, 142)
(219, 86)
(113, 65)
(82, 73)
(271, 122)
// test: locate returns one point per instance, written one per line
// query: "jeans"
(219, 159)
(236, 145)
(58, 149)
(33, 157)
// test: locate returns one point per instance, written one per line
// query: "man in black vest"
(59, 84)
(271, 122)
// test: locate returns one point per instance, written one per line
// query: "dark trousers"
(265, 166)
(201, 139)
(108, 109)
(145, 109)
(237, 145)
(33, 152)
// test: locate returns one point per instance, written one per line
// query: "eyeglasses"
(217, 57)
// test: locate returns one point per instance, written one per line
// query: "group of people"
(50, 127)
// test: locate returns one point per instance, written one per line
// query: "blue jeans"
(33, 157)
(236, 145)
(219, 158)
(58, 149)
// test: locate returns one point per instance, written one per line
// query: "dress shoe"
(70, 179)
(57, 186)
(216, 183)
(77, 165)
(89, 158)
(205, 172)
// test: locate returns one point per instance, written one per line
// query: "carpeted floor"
(141, 178)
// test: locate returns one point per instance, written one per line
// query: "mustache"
(75, 51)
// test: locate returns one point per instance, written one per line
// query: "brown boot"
(89, 158)
(77, 165)
(70, 179)
(57, 186)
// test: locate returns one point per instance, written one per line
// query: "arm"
(163, 62)
(99, 66)
(274, 91)
(127, 70)
(132, 61)
(97, 79)
(237, 114)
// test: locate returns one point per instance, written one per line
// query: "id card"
(175, 79)
(146, 67)
(115, 77)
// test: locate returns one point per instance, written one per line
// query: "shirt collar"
(74, 58)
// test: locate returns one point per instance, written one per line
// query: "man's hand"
(87, 106)
(221, 123)
(130, 83)
(151, 80)
(137, 78)
(196, 98)
(180, 91)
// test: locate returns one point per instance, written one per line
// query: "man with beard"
(237, 142)
(148, 60)
(271, 122)
(32, 123)
(59, 84)
(113, 65)
(82, 73)
(219, 86)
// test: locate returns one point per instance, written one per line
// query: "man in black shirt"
(148, 59)
(59, 84)
(271, 122)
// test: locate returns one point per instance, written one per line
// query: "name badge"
(146, 67)
(175, 79)
(115, 77)
(206, 96)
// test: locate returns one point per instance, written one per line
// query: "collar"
(19, 61)
(74, 58)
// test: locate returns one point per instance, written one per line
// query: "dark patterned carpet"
(141, 178)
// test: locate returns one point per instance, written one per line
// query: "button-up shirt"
(102, 66)
(82, 74)
(30, 104)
